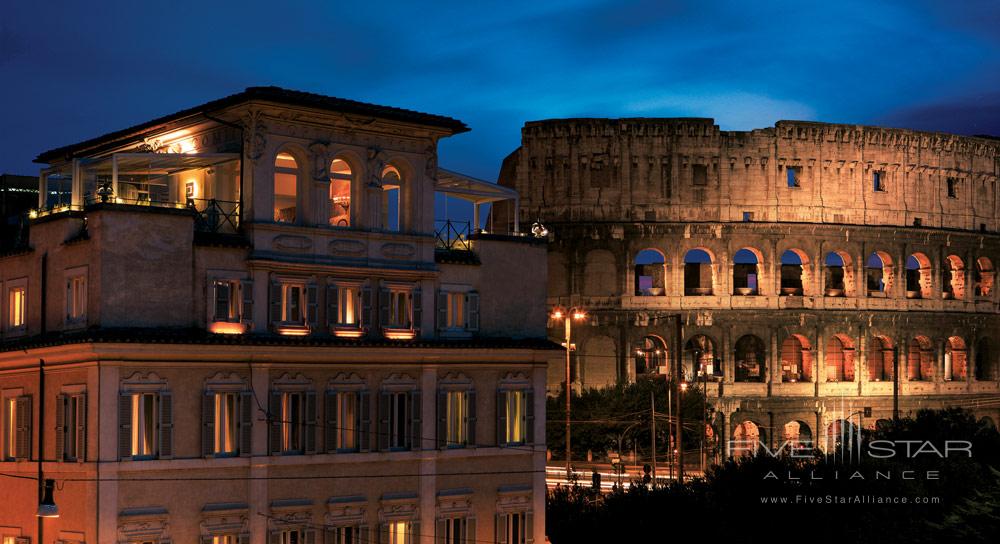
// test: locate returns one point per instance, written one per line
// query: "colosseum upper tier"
(794, 268)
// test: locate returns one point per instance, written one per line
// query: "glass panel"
(340, 194)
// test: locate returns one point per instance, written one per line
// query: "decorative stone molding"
(141, 524)
(398, 507)
(349, 510)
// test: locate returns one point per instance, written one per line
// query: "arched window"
(839, 359)
(650, 269)
(918, 276)
(880, 359)
(796, 360)
(391, 181)
(920, 360)
(749, 366)
(986, 365)
(839, 275)
(286, 183)
(955, 362)
(953, 282)
(650, 356)
(699, 359)
(746, 272)
(341, 179)
(747, 437)
(984, 277)
(793, 272)
(797, 435)
(879, 274)
(697, 273)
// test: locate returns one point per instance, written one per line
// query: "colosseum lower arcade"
(798, 272)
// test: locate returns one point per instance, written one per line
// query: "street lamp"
(47, 507)
(568, 316)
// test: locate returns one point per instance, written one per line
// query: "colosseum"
(804, 271)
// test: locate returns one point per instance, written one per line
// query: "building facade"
(239, 324)
(803, 271)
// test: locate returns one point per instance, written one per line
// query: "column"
(774, 365)
(726, 436)
(970, 361)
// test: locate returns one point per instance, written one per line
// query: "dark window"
(952, 187)
(794, 174)
(747, 217)
(700, 174)
(878, 181)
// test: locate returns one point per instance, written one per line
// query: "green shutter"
(61, 427)
(125, 426)
(166, 426)
(472, 311)
(311, 422)
(501, 418)
(470, 419)
(246, 312)
(208, 424)
(246, 423)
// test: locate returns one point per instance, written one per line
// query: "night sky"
(70, 70)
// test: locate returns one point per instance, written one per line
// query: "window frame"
(19, 285)
(296, 172)
(526, 416)
(793, 177)
(71, 430)
(77, 293)
(879, 181)
(335, 289)
(17, 425)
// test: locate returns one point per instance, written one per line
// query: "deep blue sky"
(70, 70)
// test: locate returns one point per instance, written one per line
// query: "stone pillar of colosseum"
(970, 360)
(819, 372)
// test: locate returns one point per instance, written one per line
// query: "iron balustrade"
(452, 235)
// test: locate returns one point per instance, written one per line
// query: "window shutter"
(208, 424)
(414, 531)
(417, 300)
(364, 534)
(501, 418)
(125, 426)
(166, 426)
(274, 417)
(383, 421)
(246, 423)
(222, 295)
(274, 537)
(310, 536)
(383, 307)
(364, 421)
(441, 532)
(366, 307)
(501, 529)
(442, 419)
(529, 527)
(470, 420)
(332, 304)
(275, 302)
(23, 440)
(246, 312)
(61, 427)
(472, 311)
(529, 410)
(332, 425)
(81, 427)
(470, 531)
(311, 422)
(415, 408)
(206, 539)
(442, 310)
(383, 533)
(243, 539)
(312, 304)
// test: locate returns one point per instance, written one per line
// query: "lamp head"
(47, 508)
(557, 313)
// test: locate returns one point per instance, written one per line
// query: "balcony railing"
(452, 235)
(216, 216)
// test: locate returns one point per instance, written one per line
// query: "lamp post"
(568, 317)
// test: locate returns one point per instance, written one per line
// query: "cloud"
(974, 114)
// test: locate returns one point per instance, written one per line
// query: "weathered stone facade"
(826, 252)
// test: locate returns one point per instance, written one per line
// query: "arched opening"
(793, 269)
(878, 270)
(839, 274)
(747, 437)
(986, 365)
(746, 272)
(985, 276)
(391, 181)
(341, 180)
(796, 359)
(650, 272)
(286, 184)
(880, 359)
(918, 276)
(650, 356)
(839, 359)
(697, 273)
(750, 356)
(920, 360)
(842, 434)
(699, 359)
(955, 359)
(954, 280)
(797, 435)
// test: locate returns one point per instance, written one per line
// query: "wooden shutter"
(243, 539)
(364, 421)
(246, 312)
(275, 302)
(366, 307)
(311, 422)
(441, 531)
(332, 304)
(309, 536)
(166, 426)
(81, 427)
(442, 310)
(383, 421)
(383, 307)
(529, 527)
(416, 436)
(208, 424)
(383, 533)
(414, 531)
(470, 531)
(501, 418)
(529, 410)
(125, 426)
(501, 529)
(472, 311)
(274, 416)
(417, 303)
(470, 419)
(332, 425)
(246, 423)
(222, 293)
(61, 427)
(22, 443)
(312, 304)
(442, 419)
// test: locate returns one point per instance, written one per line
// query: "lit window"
(225, 539)
(348, 309)
(399, 309)
(399, 533)
(346, 424)
(794, 176)
(292, 422)
(76, 299)
(340, 194)
(515, 421)
(225, 428)
(390, 199)
(71, 427)
(227, 301)
(456, 311)
(16, 307)
(144, 424)
(286, 180)
(456, 418)
(878, 181)
(16, 427)
(292, 303)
